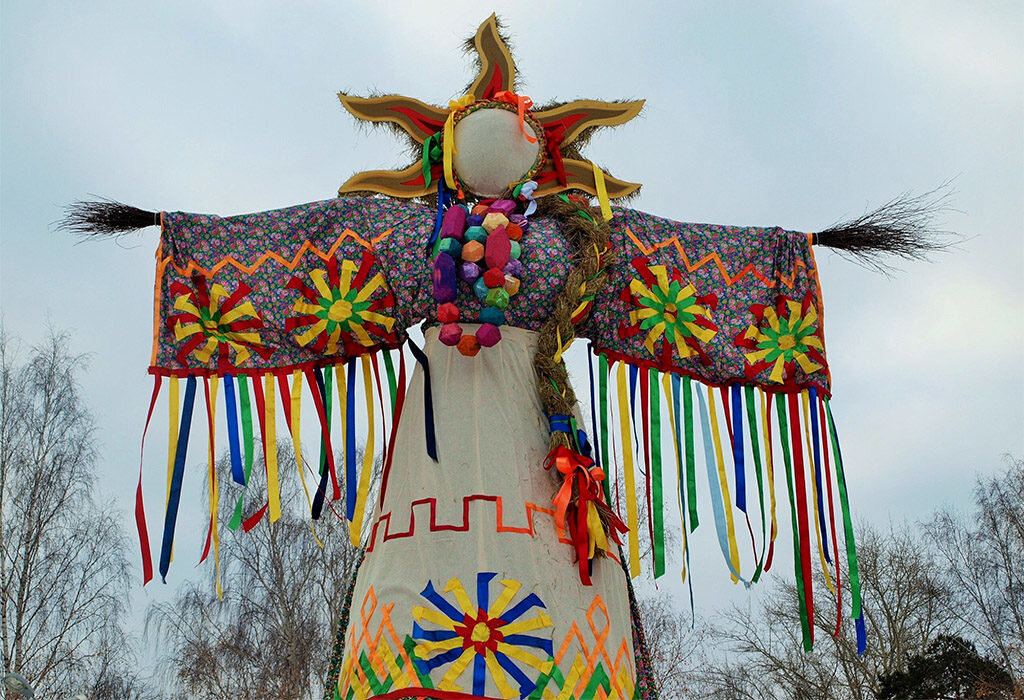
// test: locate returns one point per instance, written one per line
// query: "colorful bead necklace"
(480, 247)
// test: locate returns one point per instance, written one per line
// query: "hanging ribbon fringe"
(251, 407)
(733, 428)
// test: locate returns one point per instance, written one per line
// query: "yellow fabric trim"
(734, 552)
(498, 676)
(501, 602)
(214, 487)
(456, 588)
(627, 461)
(363, 494)
(270, 423)
(602, 192)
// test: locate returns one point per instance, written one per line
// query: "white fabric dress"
(466, 588)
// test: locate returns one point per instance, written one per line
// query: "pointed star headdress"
(492, 139)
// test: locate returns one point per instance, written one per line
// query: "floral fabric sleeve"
(280, 289)
(723, 304)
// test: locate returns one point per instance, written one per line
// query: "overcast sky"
(758, 113)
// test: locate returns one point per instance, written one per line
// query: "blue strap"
(237, 472)
(559, 423)
(174, 497)
(428, 401)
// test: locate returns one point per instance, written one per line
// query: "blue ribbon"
(443, 200)
(350, 441)
(737, 447)
(817, 473)
(237, 473)
(862, 634)
(174, 497)
(428, 401)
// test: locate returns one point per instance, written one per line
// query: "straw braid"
(590, 234)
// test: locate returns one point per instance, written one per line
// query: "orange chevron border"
(531, 510)
(714, 257)
(306, 247)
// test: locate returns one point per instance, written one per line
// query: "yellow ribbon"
(448, 146)
(172, 442)
(627, 467)
(364, 478)
(270, 424)
(172, 433)
(214, 492)
(602, 192)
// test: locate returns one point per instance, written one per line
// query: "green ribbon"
(658, 505)
(243, 400)
(389, 366)
(691, 461)
(851, 547)
(805, 625)
(755, 446)
(602, 388)
(432, 154)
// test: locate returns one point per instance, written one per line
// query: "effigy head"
(492, 140)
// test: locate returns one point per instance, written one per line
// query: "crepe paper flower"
(337, 312)
(671, 313)
(785, 334)
(493, 637)
(215, 322)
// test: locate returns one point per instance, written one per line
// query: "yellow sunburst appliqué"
(213, 321)
(785, 336)
(339, 309)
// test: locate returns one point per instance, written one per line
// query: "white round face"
(492, 151)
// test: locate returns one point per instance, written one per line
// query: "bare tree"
(675, 646)
(272, 634)
(63, 572)
(984, 557)
(906, 604)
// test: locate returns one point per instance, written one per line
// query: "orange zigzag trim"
(530, 508)
(306, 247)
(714, 257)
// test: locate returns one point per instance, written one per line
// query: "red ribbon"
(553, 138)
(589, 477)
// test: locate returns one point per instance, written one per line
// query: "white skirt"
(467, 587)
